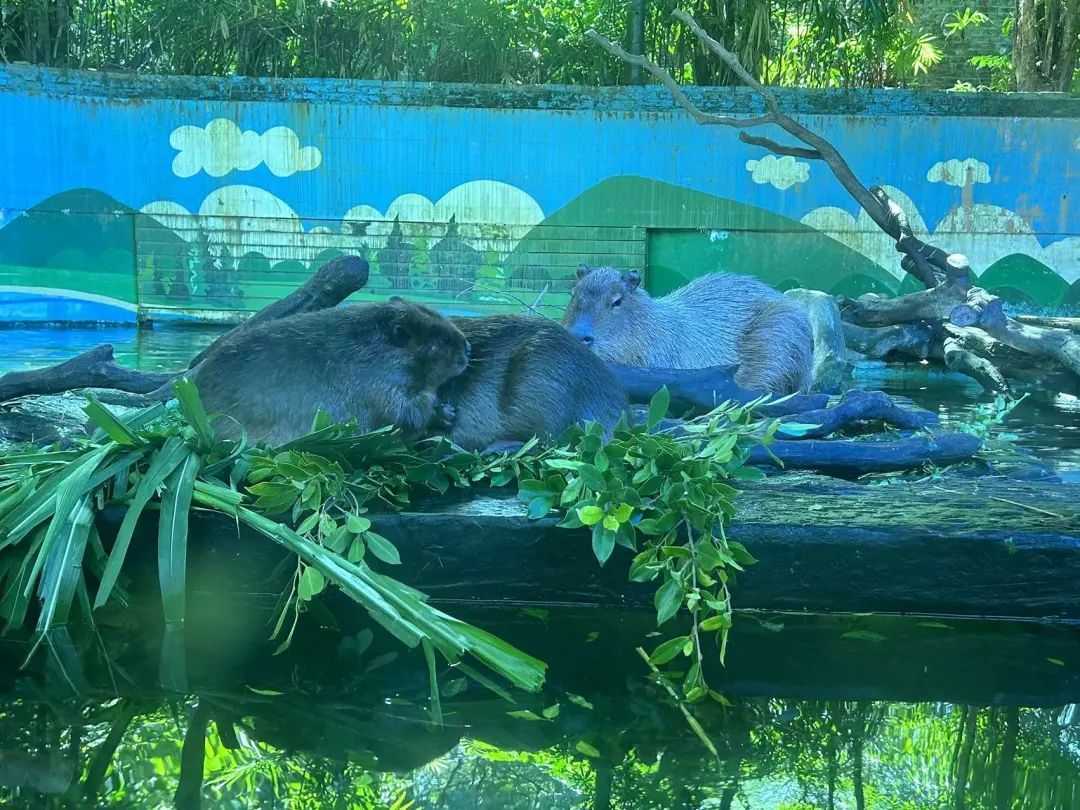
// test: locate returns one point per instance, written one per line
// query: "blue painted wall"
(293, 169)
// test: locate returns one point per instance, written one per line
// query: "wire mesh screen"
(240, 264)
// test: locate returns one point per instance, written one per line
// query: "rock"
(832, 366)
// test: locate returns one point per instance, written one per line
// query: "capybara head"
(603, 308)
(437, 349)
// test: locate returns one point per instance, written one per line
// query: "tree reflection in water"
(326, 726)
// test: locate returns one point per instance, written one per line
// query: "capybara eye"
(616, 302)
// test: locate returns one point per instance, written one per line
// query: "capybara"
(718, 319)
(380, 364)
(527, 377)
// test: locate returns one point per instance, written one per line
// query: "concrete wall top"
(650, 99)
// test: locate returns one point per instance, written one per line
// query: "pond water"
(839, 712)
(881, 712)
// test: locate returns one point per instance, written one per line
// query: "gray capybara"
(718, 319)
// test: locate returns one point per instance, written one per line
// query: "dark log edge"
(823, 546)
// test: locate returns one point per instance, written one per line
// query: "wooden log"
(332, 283)
(1072, 324)
(91, 369)
(703, 388)
(854, 458)
(985, 547)
(908, 339)
(1060, 345)
(935, 304)
(958, 358)
(862, 406)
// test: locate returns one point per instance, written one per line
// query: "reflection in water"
(330, 725)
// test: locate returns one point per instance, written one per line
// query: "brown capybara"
(380, 364)
(718, 319)
(526, 377)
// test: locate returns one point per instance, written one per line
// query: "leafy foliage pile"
(663, 492)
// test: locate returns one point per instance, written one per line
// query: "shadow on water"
(818, 712)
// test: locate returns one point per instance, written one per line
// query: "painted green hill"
(1025, 281)
(692, 233)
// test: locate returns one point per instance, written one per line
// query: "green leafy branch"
(667, 495)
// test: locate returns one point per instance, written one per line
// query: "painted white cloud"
(222, 147)
(983, 233)
(959, 172)
(473, 205)
(862, 235)
(779, 172)
(491, 216)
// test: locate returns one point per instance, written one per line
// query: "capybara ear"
(400, 325)
(583, 270)
(631, 278)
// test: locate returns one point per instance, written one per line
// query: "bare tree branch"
(778, 148)
(676, 91)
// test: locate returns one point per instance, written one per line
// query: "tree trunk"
(1026, 47)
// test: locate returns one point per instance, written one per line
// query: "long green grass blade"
(173, 539)
(68, 494)
(109, 424)
(167, 459)
(330, 566)
(172, 666)
(63, 569)
(15, 601)
(192, 408)
(41, 503)
(433, 683)
(63, 663)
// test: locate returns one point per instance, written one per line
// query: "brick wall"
(975, 41)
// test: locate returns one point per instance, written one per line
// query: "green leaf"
(716, 623)
(668, 600)
(658, 407)
(308, 523)
(356, 550)
(164, 462)
(173, 538)
(610, 523)
(603, 543)
(592, 478)
(382, 548)
(578, 700)
(590, 515)
(551, 712)
(741, 555)
(524, 714)
(538, 507)
(109, 423)
(587, 749)
(623, 512)
(642, 568)
(668, 650)
(358, 524)
(192, 408)
(312, 583)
